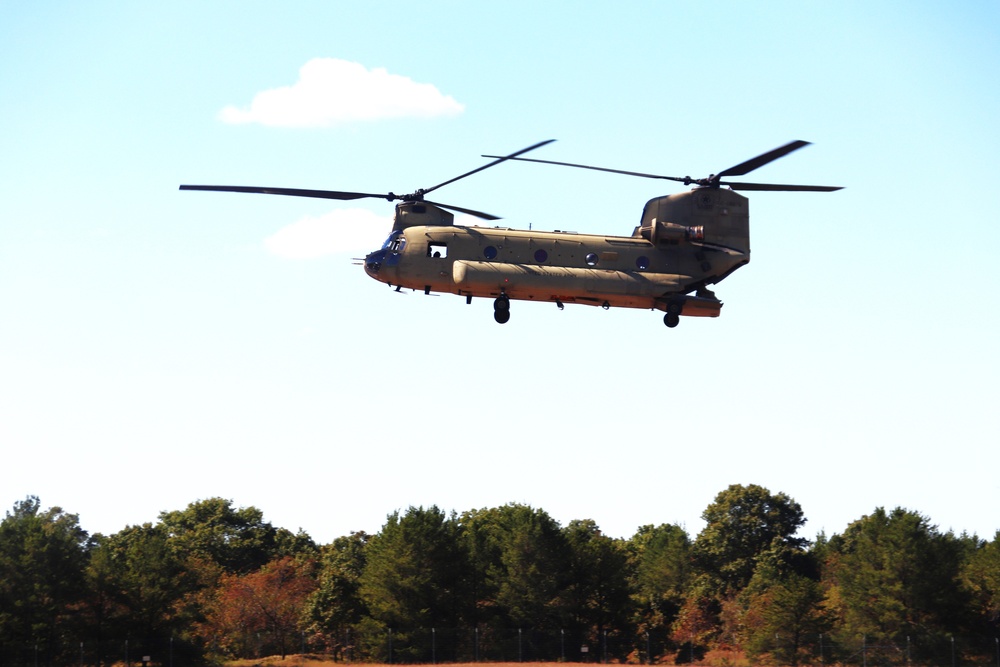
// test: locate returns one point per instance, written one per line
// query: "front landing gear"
(501, 309)
(673, 316)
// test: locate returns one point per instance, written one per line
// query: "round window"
(591, 259)
(642, 263)
(541, 255)
(489, 252)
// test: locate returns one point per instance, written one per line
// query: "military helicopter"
(684, 243)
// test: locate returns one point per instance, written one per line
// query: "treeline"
(213, 581)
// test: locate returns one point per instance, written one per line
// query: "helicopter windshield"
(395, 243)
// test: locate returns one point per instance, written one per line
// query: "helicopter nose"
(373, 262)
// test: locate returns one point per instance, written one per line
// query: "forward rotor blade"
(292, 192)
(774, 187)
(487, 166)
(759, 161)
(584, 166)
(467, 211)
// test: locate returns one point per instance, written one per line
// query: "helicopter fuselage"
(658, 267)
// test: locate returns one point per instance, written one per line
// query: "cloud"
(333, 92)
(347, 230)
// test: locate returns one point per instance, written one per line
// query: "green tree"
(43, 554)
(139, 585)
(743, 523)
(893, 575)
(782, 611)
(519, 557)
(597, 595)
(981, 578)
(335, 607)
(413, 576)
(660, 576)
(237, 539)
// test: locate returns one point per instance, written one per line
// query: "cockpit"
(387, 255)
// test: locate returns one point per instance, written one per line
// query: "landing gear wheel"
(501, 309)
(671, 319)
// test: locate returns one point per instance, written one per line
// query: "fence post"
(562, 644)
(475, 644)
(520, 654)
(649, 656)
(434, 646)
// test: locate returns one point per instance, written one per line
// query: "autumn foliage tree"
(259, 613)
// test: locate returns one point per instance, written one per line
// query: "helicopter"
(684, 243)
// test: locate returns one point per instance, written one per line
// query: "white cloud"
(331, 92)
(347, 230)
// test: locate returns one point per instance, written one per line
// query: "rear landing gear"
(501, 309)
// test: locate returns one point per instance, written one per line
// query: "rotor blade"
(584, 166)
(782, 188)
(487, 166)
(761, 160)
(467, 211)
(292, 192)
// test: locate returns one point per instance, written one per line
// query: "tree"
(138, 584)
(661, 574)
(893, 575)
(597, 595)
(238, 540)
(518, 560)
(413, 575)
(742, 523)
(336, 605)
(260, 612)
(981, 578)
(42, 558)
(781, 612)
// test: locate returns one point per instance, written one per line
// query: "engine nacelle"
(661, 233)
(421, 214)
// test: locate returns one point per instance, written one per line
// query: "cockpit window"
(395, 243)
(437, 250)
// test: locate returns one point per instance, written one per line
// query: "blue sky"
(157, 346)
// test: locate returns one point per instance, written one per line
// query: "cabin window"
(397, 244)
(541, 255)
(490, 252)
(437, 250)
(591, 259)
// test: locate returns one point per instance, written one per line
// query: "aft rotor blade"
(761, 160)
(491, 164)
(467, 211)
(292, 192)
(585, 166)
(775, 187)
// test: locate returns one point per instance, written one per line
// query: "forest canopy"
(214, 581)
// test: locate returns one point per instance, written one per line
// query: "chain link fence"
(463, 645)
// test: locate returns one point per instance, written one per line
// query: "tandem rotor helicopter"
(684, 243)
